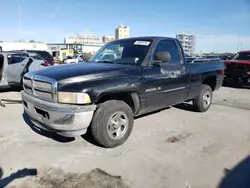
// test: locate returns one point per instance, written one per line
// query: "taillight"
(45, 64)
(222, 72)
(53, 62)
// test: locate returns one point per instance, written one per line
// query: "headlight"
(73, 98)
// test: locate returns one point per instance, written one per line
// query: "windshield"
(129, 51)
(37, 57)
(242, 56)
(74, 56)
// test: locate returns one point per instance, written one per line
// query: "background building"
(106, 39)
(9, 45)
(79, 39)
(121, 32)
(188, 42)
(55, 48)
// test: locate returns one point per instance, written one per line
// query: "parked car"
(225, 57)
(237, 70)
(13, 65)
(150, 73)
(212, 57)
(193, 59)
(74, 59)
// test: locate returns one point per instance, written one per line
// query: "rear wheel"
(112, 123)
(204, 99)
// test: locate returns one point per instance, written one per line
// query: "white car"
(75, 59)
(13, 65)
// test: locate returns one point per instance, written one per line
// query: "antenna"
(241, 45)
(19, 18)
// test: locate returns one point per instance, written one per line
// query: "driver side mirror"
(163, 57)
(86, 57)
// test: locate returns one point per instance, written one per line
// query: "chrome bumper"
(66, 120)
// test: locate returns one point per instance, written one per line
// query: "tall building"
(121, 32)
(106, 39)
(187, 41)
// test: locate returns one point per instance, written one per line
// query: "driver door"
(16, 65)
(165, 84)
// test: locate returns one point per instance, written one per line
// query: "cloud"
(55, 13)
(221, 43)
(45, 34)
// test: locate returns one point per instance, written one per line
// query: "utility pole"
(238, 44)
(20, 20)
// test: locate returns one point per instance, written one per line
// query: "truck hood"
(79, 72)
(247, 62)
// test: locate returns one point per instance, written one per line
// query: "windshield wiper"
(106, 61)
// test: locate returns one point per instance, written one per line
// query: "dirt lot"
(174, 148)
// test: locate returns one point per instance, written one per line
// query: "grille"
(42, 85)
(44, 95)
(235, 67)
(39, 86)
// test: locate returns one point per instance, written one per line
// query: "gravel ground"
(175, 148)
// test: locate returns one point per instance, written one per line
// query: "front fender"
(103, 87)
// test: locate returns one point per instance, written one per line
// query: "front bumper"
(66, 120)
(237, 77)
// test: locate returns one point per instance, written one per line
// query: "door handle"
(183, 70)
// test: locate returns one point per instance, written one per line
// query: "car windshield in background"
(242, 56)
(43, 54)
(37, 57)
(129, 51)
(74, 56)
(190, 59)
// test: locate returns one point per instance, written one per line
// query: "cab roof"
(148, 38)
(245, 51)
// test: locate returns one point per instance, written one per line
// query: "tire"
(200, 104)
(102, 128)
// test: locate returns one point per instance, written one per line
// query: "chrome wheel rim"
(117, 125)
(206, 99)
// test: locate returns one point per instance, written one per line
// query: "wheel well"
(131, 98)
(211, 81)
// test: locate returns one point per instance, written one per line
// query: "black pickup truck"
(124, 79)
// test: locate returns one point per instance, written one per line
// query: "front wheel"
(112, 123)
(204, 99)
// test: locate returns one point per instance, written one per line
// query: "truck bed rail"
(205, 60)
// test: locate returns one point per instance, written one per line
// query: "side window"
(43, 54)
(24, 55)
(16, 58)
(46, 55)
(170, 46)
